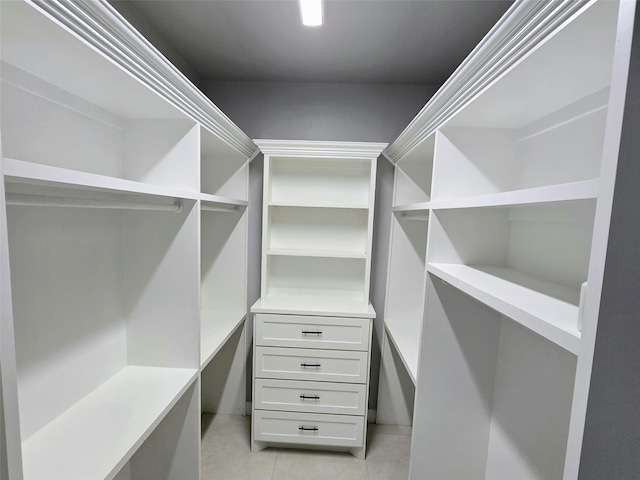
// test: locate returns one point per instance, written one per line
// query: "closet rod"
(211, 208)
(408, 216)
(49, 201)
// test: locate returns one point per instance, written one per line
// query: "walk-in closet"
(283, 277)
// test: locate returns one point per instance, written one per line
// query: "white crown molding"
(306, 148)
(101, 27)
(525, 26)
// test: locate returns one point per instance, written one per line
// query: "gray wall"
(316, 111)
(320, 111)
(611, 445)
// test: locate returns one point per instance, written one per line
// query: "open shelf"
(406, 337)
(547, 308)
(319, 181)
(584, 190)
(413, 174)
(217, 328)
(311, 302)
(346, 206)
(292, 252)
(99, 434)
(26, 177)
(223, 169)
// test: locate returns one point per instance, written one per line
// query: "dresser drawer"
(308, 428)
(311, 397)
(304, 364)
(312, 332)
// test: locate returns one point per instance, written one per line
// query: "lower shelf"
(405, 337)
(217, 328)
(98, 435)
(547, 308)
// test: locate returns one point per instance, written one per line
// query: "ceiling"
(361, 41)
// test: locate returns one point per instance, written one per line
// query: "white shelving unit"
(124, 262)
(520, 149)
(317, 225)
(406, 276)
(313, 322)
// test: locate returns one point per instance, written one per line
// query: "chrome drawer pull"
(310, 365)
(307, 429)
(311, 332)
(310, 397)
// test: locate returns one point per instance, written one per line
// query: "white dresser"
(313, 322)
(311, 380)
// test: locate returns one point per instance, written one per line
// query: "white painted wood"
(584, 190)
(320, 181)
(217, 327)
(313, 303)
(333, 333)
(108, 120)
(67, 282)
(531, 407)
(122, 412)
(161, 285)
(318, 229)
(452, 424)
(405, 338)
(172, 451)
(311, 397)
(223, 379)
(24, 177)
(223, 170)
(223, 276)
(10, 440)
(549, 309)
(413, 175)
(333, 430)
(311, 364)
(396, 388)
(549, 79)
(334, 277)
(602, 220)
(530, 124)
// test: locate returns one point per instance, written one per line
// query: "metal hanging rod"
(408, 216)
(219, 208)
(49, 201)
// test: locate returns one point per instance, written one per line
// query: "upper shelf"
(33, 178)
(547, 308)
(522, 75)
(99, 434)
(122, 72)
(584, 190)
(319, 205)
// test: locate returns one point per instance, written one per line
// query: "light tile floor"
(226, 455)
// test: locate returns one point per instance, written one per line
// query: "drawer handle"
(310, 397)
(312, 332)
(310, 365)
(304, 428)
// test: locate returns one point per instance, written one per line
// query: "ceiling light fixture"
(311, 11)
